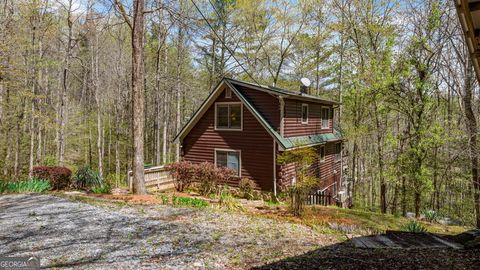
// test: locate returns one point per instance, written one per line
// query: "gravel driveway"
(72, 234)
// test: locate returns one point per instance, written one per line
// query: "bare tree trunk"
(178, 81)
(94, 72)
(472, 134)
(63, 94)
(33, 118)
(166, 116)
(138, 97)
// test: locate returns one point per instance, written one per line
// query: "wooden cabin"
(244, 126)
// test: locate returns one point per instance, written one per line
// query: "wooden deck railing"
(318, 198)
(156, 179)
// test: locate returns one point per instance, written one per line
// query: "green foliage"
(227, 201)
(414, 226)
(3, 186)
(49, 161)
(32, 185)
(165, 198)
(430, 215)
(87, 178)
(103, 189)
(246, 186)
(302, 158)
(187, 201)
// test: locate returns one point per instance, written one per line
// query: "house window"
(325, 117)
(229, 159)
(322, 153)
(228, 93)
(338, 151)
(304, 113)
(228, 116)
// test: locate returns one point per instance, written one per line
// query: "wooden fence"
(319, 197)
(156, 179)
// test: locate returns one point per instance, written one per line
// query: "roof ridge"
(285, 92)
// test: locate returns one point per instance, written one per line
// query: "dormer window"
(304, 113)
(228, 116)
(228, 93)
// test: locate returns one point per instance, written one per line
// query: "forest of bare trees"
(80, 78)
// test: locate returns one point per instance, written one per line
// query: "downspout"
(274, 169)
(282, 131)
(282, 114)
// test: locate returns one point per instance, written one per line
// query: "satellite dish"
(305, 81)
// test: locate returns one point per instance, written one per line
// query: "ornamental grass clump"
(227, 201)
(32, 185)
(246, 186)
(414, 227)
(86, 178)
(430, 215)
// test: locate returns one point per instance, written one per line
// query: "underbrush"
(102, 189)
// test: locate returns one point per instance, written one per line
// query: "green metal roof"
(300, 141)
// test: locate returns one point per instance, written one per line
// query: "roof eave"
(466, 21)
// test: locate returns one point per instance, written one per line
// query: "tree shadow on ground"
(346, 256)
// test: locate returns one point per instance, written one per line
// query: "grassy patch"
(187, 201)
(102, 189)
(334, 220)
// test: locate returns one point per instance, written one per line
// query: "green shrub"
(103, 189)
(413, 226)
(246, 186)
(86, 178)
(165, 198)
(49, 161)
(187, 201)
(430, 215)
(32, 185)
(59, 177)
(3, 186)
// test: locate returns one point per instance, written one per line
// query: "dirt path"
(70, 234)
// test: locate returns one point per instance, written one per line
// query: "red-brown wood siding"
(266, 104)
(293, 123)
(327, 171)
(255, 144)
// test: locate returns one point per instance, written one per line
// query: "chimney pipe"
(304, 89)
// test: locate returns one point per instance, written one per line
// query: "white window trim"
(230, 150)
(321, 117)
(228, 92)
(241, 113)
(324, 154)
(301, 113)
